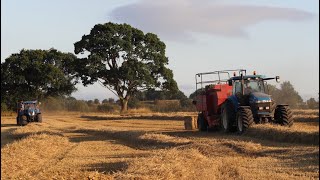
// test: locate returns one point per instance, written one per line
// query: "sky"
(270, 37)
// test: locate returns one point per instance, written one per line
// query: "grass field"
(156, 146)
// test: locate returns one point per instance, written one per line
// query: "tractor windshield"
(29, 106)
(253, 86)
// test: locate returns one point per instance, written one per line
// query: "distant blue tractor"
(28, 111)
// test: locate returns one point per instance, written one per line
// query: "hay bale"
(190, 122)
(195, 121)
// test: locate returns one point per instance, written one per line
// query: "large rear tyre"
(202, 123)
(244, 119)
(228, 117)
(283, 115)
(39, 118)
(18, 122)
(23, 120)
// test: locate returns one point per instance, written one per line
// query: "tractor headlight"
(267, 107)
(260, 108)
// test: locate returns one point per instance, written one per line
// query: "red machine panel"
(212, 99)
(201, 102)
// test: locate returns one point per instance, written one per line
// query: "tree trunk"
(124, 105)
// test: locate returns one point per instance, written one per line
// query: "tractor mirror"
(277, 79)
(229, 82)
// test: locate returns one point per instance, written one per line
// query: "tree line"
(286, 94)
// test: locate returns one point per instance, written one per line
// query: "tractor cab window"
(29, 106)
(236, 87)
(253, 86)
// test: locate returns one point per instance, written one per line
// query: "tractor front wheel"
(283, 115)
(244, 119)
(202, 123)
(23, 120)
(39, 118)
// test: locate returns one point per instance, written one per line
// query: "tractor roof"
(30, 102)
(248, 77)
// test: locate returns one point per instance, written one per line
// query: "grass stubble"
(72, 146)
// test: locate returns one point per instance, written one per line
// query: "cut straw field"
(156, 146)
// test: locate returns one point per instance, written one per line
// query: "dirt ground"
(71, 146)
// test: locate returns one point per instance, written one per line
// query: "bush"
(186, 105)
(77, 105)
(134, 103)
(4, 107)
(53, 104)
(166, 105)
(106, 107)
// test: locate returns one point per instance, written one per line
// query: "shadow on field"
(129, 138)
(256, 135)
(108, 168)
(305, 161)
(307, 119)
(279, 135)
(6, 136)
(25, 135)
(153, 117)
(9, 125)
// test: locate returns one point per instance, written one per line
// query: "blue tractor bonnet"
(259, 97)
(30, 102)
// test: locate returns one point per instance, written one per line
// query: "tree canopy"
(286, 94)
(124, 60)
(36, 74)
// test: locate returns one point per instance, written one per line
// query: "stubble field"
(156, 146)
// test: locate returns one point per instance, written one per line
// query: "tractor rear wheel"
(23, 120)
(283, 115)
(228, 117)
(202, 123)
(39, 118)
(244, 119)
(18, 122)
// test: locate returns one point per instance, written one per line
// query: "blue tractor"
(28, 111)
(250, 103)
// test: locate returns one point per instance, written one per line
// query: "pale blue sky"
(270, 36)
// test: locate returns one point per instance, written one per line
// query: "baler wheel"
(202, 124)
(228, 117)
(283, 115)
(18, 122)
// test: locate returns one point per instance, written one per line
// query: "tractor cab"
(251, 90)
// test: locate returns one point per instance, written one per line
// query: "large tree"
(312, 103)
(289, 95)
(36, 74)
(124, 60)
